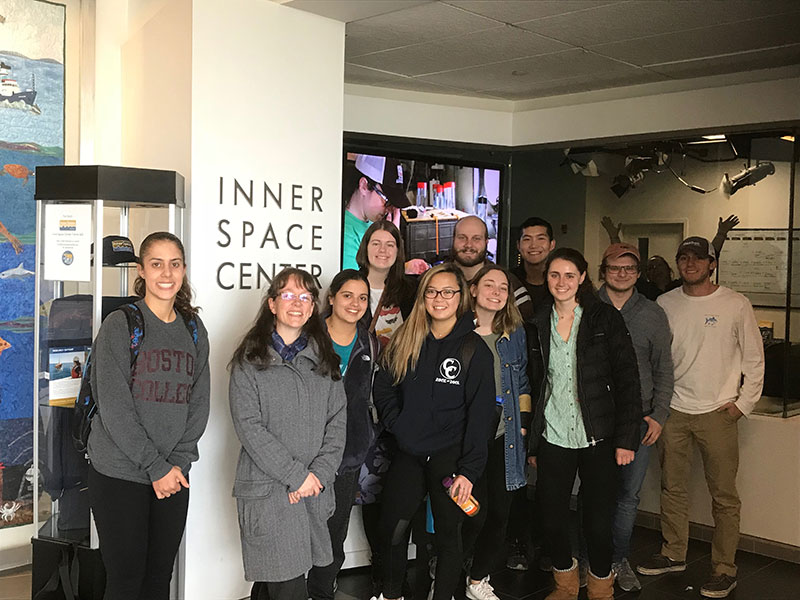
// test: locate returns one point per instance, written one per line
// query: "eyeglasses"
(630, 269)
(446, 293)
(380, 193)
(289, 296)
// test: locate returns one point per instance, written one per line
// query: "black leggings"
(408, 480)
(294, 589)
(321, 579)
(484, 534)
(139, 536)
(556, 469)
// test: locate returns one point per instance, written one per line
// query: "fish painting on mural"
(4, 345)
(16, 273)
(19, 325)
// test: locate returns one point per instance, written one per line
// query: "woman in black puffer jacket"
(586, 419)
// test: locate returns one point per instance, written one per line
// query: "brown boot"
(600, 588)
(567, 583)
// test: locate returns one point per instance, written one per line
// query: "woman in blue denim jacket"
(499, 323)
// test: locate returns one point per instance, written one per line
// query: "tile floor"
(760, 578)
(15, 584)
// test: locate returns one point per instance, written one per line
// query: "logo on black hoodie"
(449, 370)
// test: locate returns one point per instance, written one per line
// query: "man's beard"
(465, 262)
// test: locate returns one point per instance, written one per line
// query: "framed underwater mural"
(32, 42)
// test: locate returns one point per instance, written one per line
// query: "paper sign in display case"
(90, 220)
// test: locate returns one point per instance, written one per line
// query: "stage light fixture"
(749, 176)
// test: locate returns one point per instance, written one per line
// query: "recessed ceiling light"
(717, 136)
(788, 138)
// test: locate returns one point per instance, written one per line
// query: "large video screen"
(423, 199)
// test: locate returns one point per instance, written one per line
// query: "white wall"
(587, 116)
(725, 106)
(267, 89)
(427, 116)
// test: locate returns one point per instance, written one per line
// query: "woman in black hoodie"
(586, 420)
(357, 349)
(435, 393)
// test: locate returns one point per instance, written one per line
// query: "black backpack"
(85, 406)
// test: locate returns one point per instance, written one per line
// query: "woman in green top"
(586, 419)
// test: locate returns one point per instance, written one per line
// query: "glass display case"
(89, 221)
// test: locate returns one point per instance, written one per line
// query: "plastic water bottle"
(450, 195)
(422, 194)
(470, 506)
(481, 205)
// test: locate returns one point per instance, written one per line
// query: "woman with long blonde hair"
(435, 394)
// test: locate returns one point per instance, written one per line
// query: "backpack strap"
(135, 318)
(467, 350)
(190, 321)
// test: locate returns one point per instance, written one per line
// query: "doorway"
(653, 239)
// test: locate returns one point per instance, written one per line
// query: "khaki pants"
(716, 434)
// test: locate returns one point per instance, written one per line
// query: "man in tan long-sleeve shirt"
(718, 357)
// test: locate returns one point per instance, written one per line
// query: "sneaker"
(718, 587)
(380, 597)
(432, 567)
(626, 578)
(658, 564)
(481, 590)
(517, 559)
(583, 572)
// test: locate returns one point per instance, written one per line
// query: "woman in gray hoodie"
(288, 408)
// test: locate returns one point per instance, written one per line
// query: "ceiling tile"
(574, 85)
(417, 85)
(713, 41)
(362, 75)
(424, 23)
(352, 10)
(515, 12)
(495, 45)
(631, 20)
(749, 61)
(571, 63)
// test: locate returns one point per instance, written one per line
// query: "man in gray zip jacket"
(649, 329)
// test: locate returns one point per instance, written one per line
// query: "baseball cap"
(118, 250)
(699, 245)
(614, 251)
(389, 173)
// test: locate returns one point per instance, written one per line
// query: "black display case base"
(65, 571)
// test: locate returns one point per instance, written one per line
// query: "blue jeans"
(631, 477)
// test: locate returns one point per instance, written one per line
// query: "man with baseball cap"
(719, 372)
(649, 329)
(372, 187)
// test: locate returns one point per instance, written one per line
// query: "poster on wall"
(31, 134)
(67, 243)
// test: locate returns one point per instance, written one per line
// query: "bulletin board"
(754, 262)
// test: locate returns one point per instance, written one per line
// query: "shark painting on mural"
(16, 273)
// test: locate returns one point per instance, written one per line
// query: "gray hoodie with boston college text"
(149, 418)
